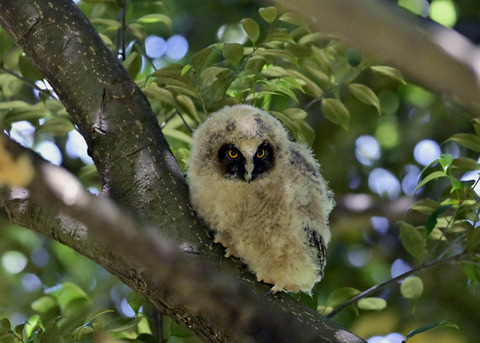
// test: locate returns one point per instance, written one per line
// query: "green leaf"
(413, 241)
(96, 314)
(147, 338)
(293, 18)
(430, 177)
(476, 125)
(185, 69)
(5, 324)
(122, 324)
(423, 329)
(33, 323)
(268, 13)
(464, 164)
(138, 31)
(44, 304)
(204, 58)
(251, 29)
(365, 95)
(155, 18)
(186, 104)
(334, 110)
(472, 271)
(445, 161)
(425, 206)
(295, 113)
(412, 287)
(468, 140)
(68, 292)
(233, 52)
(178, 135)
(20, 110)
(155, 92)
(58, 126)
(110, 23)
(28, 70)
(210, 74)
(341, 295)
(19, 328)
(133, 64)
(390, 72)
(372, 304)
(354, 57)
(432, 219)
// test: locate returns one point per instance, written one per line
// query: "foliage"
(65, 314)
(306, 79)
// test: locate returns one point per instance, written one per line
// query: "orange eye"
(232, 154)
(261, 153)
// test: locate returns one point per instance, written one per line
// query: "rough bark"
(215, 300)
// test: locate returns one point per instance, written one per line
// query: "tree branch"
(436, 57)
(141, 174)
(152, 264)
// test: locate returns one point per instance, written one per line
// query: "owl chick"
(262, 195)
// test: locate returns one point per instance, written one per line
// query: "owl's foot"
(229, 249)
(277, 288)
(230, 252)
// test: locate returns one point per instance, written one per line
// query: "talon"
(272, 290)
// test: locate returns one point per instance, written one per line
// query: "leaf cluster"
(283, 67)
(65, 313)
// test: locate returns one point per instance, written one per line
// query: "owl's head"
(240, 143)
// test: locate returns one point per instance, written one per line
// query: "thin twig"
(179, 113)
(395, 279)
(121, 32)
(27, 82)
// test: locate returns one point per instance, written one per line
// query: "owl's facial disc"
(235, 165)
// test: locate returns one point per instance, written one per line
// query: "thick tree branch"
(438, 58)
(141, 174)
(152, 264)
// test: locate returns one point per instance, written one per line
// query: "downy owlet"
(262, 195)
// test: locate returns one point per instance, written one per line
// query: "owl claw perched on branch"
(262, 195)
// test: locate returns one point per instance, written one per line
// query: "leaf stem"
(377, 287)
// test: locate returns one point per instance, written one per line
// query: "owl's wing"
(312, 196)
(316, 242)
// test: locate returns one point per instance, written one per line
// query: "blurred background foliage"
(372, 131)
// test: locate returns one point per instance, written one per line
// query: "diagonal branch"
(152, 264)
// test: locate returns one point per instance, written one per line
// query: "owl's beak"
(248, 171)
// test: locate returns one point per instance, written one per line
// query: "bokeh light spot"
(426, 151)
(384, 183)
(40, 257)
(31, 282)
(410, 180)
(399, 267)
(50, 152)
(394, 337)
(232, 34)
(14, 261)
(23, 132)
(367, 150)
(76, 147)
(380, 224)
(155, 46)
(443, 12)
(177, 47)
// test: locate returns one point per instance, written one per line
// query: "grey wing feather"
(315, 241)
